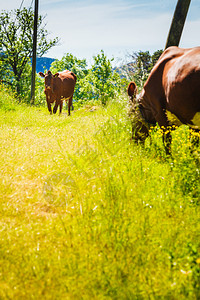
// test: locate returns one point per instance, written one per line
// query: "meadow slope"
(87, 214)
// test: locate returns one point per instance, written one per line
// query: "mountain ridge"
(43, 63)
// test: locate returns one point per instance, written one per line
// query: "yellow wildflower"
(198, 260)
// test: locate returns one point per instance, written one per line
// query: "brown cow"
(59, 87)
(171, 94)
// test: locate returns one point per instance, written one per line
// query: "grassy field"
(87, 214)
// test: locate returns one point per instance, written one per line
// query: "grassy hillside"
(87, 214)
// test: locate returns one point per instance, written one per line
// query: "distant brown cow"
(59, 87)
(171, 94)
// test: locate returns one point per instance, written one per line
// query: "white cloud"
(96, 27)
(87, 26)
(190, 36)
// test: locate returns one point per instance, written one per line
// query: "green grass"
(87, 214)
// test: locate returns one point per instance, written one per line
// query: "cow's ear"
(56, 75)
(41, 74)
(132, 89)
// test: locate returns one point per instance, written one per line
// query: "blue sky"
(116, 26)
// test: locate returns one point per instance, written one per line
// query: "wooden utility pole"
(34, 53)
(177, 24)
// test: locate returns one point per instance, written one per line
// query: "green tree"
(16, 31)
(5, 72)
(142, 64)
(155, 56)
(101, 83)
(97, 83)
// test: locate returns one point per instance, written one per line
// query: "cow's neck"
(145, 110)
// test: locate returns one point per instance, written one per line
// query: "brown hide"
(59, 87)
(171, 94)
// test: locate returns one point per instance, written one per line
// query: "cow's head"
(48, 78)
(140, 126)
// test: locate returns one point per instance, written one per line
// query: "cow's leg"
(69, 105)
(163, 122)
(49, 107)
(55, 107)
(167, 139)
(140, 132)
(61, 106)
(194, 136)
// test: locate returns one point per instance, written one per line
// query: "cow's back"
(175, 82)
(68, 83)
(64, 84)
(181, 81)
(154, 83)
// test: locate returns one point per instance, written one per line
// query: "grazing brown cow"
(59, 87)
(171, 94)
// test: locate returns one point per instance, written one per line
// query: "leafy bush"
(140, 66)
(101, 82)
(7, 99)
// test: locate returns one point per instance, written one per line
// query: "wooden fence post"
(34, 53)
(178, 22)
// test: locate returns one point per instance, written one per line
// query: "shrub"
(7, 99)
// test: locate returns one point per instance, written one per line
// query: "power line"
(19, 10)
(31, 5)
(21, 5)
